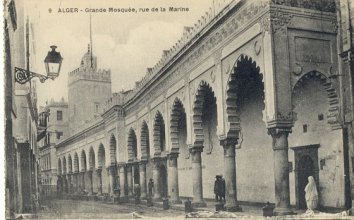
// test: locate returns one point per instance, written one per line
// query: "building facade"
(21, 115)
(257, 93)
(56, 129)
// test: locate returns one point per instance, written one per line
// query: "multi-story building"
(20, 113)
(56, 128)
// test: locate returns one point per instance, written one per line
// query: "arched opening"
(103, 181)
(92, 175)
(132, 146)
(101, 157)
(178, 129)
(159, 134)
(245, 106)
(76, 163)
(145, 150)
(91, 159)
(113, 149)
(70, 164)
(204, 132)
(178, 126)
(83, 161)
(315, 104)
(64, 166)
(145, 142)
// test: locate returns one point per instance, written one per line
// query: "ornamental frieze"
(245, 14)
(319, 5)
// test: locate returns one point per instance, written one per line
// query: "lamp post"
(52, 62)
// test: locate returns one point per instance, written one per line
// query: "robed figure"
(311, 194)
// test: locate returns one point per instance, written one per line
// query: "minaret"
(89, 88)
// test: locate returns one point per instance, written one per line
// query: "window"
(59, 134)
(59, 115)
(320, 117)
(96, 107)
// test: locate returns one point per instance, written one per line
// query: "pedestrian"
(150, 187)
(222, 188)
(311, 194)
(217, 188)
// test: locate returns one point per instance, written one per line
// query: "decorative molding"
(212, 76)
(265, 24)
(333, 114)
(321, 5)
(257, 47)
(280, 21)
(297, 69)
(243, 16)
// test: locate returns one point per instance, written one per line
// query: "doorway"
(306, 169)
(306, 164)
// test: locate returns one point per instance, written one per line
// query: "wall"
(254, 161)
(309, 101)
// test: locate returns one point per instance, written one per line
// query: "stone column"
(196, 152)
(156, 175)
(173, 180)
(122, 181)
(109, 182)
(281, 170)
(156, 178)
(112, 176)
(99, 178)
(76, 182)
(69, 183)
(83, 180)
(130, 180)
(89, 174)
(230, 174)
(142, 172)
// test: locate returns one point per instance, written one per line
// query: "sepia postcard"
(178, 109)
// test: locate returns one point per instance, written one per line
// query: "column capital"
(119, 165)
(99, 169)
(112, 166)
(194, 149)
(280, 137)
(173, 155)
(143, 162)
(277, 131)
(156, 159)
(228, 141)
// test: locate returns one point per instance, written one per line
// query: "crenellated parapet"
(99, 75)
(115, 99)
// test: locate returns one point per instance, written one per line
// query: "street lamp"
(52, 64)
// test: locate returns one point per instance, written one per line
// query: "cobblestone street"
(71, 209)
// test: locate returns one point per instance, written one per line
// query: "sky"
(126, 43)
